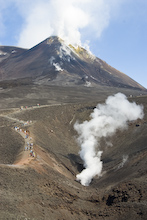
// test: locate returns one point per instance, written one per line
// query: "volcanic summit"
(52, 62)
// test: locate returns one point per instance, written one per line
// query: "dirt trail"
(41, 158)
(24, 157)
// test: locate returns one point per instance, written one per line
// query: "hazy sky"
(114, 30)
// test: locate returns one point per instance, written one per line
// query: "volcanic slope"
(52, 62)
(45, 188)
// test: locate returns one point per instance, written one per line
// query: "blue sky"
(114, 30)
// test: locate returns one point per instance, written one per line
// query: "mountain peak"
(52, 39)
(77, 49)
(55, 62)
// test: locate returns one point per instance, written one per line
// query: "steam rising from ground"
(75, 21)
(105, 120)
(66, 19)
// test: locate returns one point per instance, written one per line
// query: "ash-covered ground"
(45, 187)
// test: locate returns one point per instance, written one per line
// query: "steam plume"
(105, 120)
(75, 21)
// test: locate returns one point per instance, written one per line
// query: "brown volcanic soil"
(45, 187)
(23, 93)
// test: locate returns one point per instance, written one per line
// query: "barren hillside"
(45, 187)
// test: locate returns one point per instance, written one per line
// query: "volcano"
(53, 62)
(44, 91)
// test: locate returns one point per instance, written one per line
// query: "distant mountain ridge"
(52, 62)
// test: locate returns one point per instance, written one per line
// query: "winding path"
(24, 157)
(41, 159)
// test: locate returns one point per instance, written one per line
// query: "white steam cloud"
(67, 19)
(105, 120)
(75, 21)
